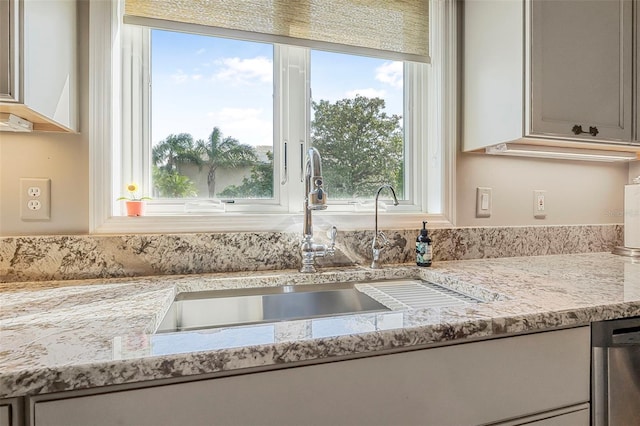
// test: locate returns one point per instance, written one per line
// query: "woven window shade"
(398, 29)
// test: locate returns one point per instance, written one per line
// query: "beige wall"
(578, 192)
(64, 158)
(634, 170)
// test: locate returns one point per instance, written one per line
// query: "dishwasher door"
(615, 372)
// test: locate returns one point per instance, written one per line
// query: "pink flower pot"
(135, 208)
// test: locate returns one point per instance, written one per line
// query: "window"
(217, 127)
(357, 111)
(211, 116)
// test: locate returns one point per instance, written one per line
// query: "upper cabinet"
(581, 73)
(6, 54)
(556, 73)
(637, 94)
(38, 62)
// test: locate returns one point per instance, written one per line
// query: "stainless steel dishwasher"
(615, 372)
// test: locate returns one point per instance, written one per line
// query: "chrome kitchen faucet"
(376, 246)
(315, 199)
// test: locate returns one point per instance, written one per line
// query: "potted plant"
(135, 204)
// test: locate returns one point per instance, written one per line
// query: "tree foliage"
(175, 150)
(360, 144)
(258, 185)
(218, 151)
(171, 184)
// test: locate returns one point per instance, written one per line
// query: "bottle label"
(423, 253)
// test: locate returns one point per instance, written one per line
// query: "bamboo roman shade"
(399, 28)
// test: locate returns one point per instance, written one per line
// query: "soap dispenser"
(423, 247)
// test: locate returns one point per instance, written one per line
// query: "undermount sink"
(219, 308)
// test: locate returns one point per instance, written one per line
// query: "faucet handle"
(383, 237)
(332, 234)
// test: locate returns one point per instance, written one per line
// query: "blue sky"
(199, 82)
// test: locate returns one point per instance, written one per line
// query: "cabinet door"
(49, 59)
(637, 99)
(11, 412)
(581, 69)
(474, 383)
(6, 51)
(577, 415)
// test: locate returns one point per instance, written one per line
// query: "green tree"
(258, 185)
(226, 152)
(171, 184)
(360, 144)
(175, 150)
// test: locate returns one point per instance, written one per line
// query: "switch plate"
(35, 199)
(483, 202)
(539, 204)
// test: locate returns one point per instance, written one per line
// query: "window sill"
(245, 222)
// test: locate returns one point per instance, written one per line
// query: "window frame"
(107, 125)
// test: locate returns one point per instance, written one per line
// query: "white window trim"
(105, 125)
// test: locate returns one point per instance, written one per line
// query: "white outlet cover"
(539, 204)
(35, 199)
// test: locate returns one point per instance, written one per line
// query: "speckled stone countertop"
(66, 335)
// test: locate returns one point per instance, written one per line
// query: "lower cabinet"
(483, 382)
(11, 412)
(569, 416)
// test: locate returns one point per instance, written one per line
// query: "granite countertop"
(68, 335)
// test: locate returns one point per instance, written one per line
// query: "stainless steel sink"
(218, 308)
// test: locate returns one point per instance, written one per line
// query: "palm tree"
(175, 150)
(227, 152)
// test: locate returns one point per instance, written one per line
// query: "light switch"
(483, 202)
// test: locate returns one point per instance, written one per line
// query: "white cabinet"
(581, 69)
(7, 22)
(556, 73)
(472, 383)
(575, 415)
(637, 70)
(39, 62)
(11, 412)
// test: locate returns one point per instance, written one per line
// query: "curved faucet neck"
(395, 203)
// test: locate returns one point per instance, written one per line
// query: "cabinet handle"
(593, 130)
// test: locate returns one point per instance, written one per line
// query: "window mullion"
(134, 107)
(421, 173)
(295, 62)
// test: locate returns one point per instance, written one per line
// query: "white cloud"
(390, 73)
(200, 51)
(245, 71)
(369, 93)
(248, 125)
(180, 77)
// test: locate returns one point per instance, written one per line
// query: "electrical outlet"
(34, 191)
(539, 204)
(483, 202)
(35, 199)
(34, 205)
